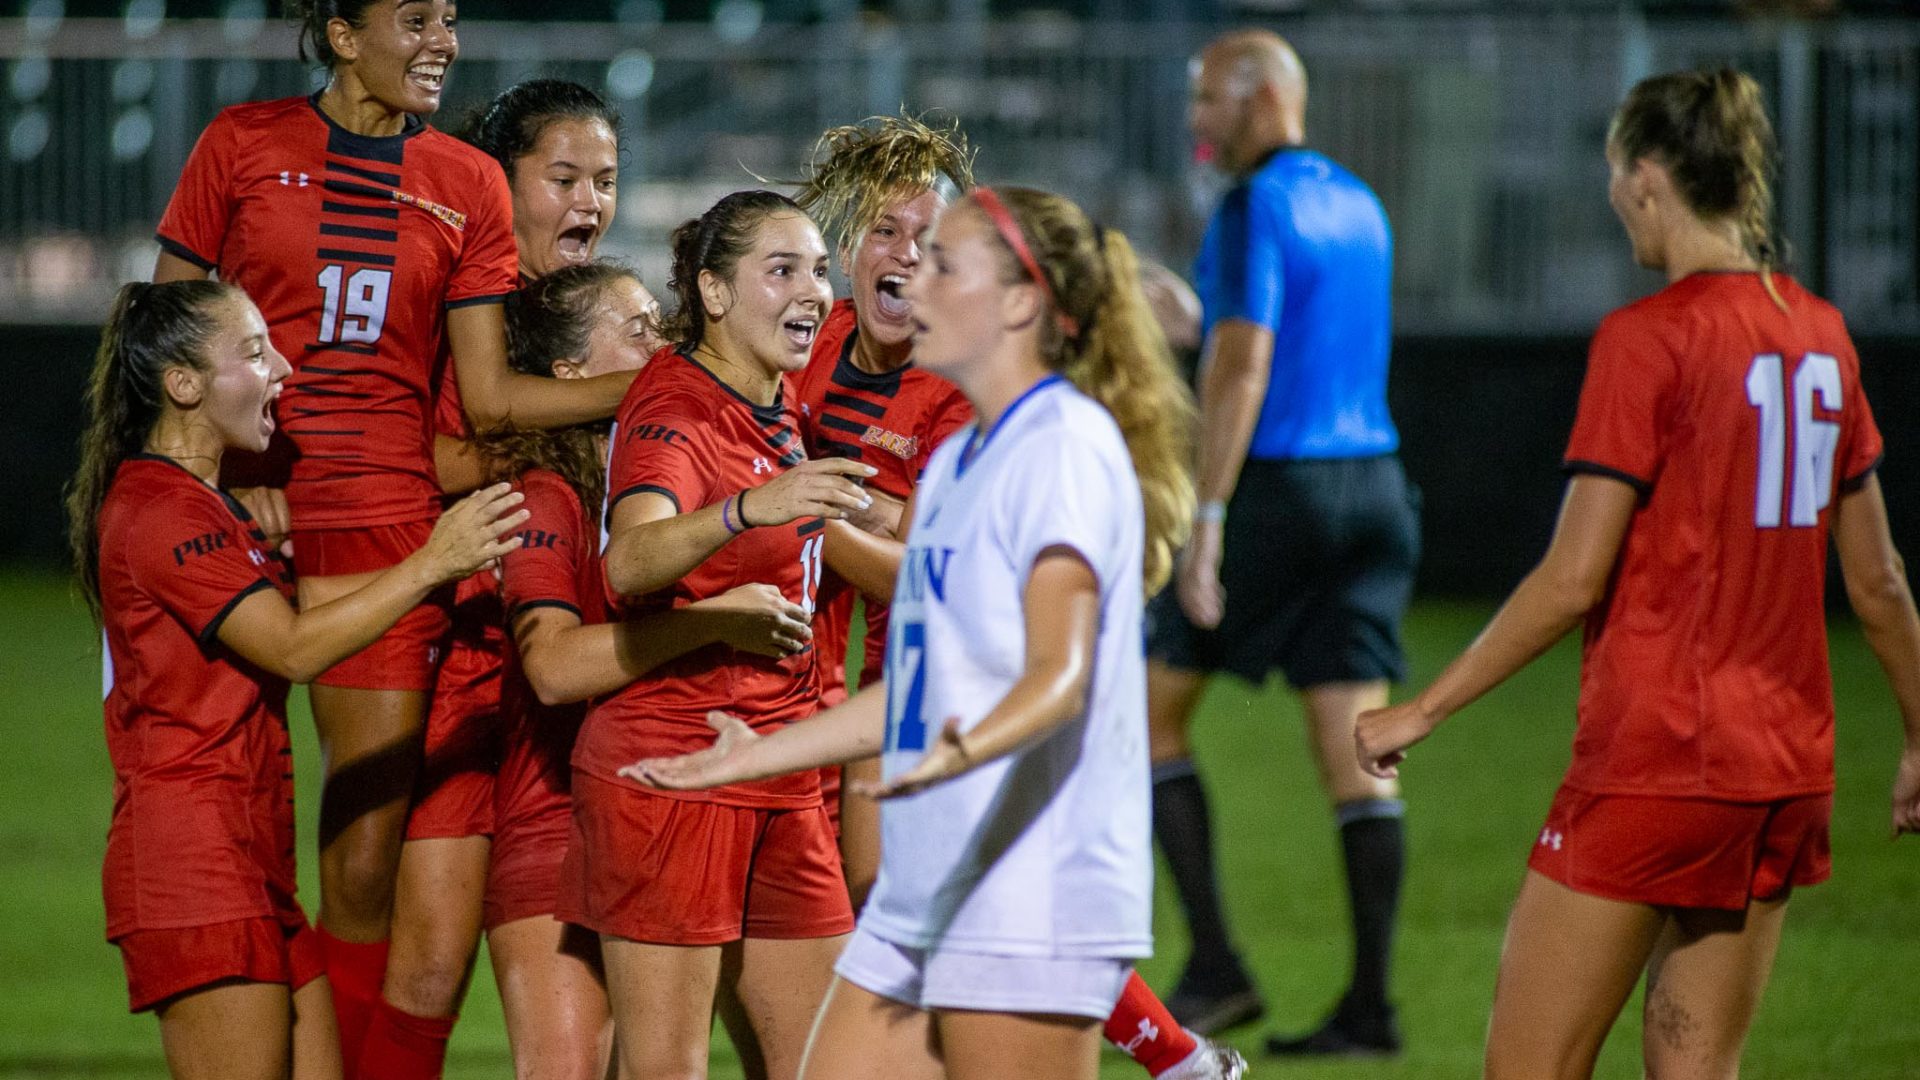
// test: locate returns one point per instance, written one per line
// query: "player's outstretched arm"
(1061, 607)
(1550, 601)
(652, 546)
(565, 661)
(852, 730)
(494, 394)
(299, 645)
(1877, 588)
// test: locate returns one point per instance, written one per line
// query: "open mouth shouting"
(800, 331)
(888, 299)
(576, 245)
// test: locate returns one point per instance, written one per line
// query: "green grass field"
(1841, 1005)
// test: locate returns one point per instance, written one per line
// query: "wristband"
(1211, 512)
(726, 521)
(740, 511)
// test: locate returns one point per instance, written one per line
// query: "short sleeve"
(1617, 432)
(194, 226)
(1251, 283)
(665, 449)
(952, 413)
(190, 557)
(544, 570)
(489, 266)
(1064, 498)
(1863, 448)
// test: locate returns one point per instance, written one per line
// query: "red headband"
(1009, 231)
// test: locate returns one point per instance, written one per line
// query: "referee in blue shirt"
(1307, 536)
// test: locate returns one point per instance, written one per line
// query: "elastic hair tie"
(1009, 230)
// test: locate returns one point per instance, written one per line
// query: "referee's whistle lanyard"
(978, 440)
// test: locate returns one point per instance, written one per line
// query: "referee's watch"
(1211, 512)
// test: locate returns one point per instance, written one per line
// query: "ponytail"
(1710, 129)
(1105, 340)
(149, 329)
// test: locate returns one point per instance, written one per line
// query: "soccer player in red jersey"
(201, 644)
(711, 489)
(577, 322)
(876, 187)
(370, 241)
(1722, 434)
(557, 143)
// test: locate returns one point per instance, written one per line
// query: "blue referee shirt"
(1302, 248)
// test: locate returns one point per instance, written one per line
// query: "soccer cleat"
(1211, 1002)
(1209, 1061)
(1345, 1034)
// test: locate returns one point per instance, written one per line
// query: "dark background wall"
(1483, 421)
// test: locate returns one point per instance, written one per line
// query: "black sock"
(1182, 825)
(1373, 840)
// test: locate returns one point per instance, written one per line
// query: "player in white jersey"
(1016, 874)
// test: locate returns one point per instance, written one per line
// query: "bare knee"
(362, 882)
(1679, 1044)
(432, 982)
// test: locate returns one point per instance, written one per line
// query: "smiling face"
(772, 307)
(882, 265)
(958, 298)
(242, 377)
(402, 52)
(624, 335)
(564, 191)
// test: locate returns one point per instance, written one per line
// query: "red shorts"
(678, 872)
(453, 795)
(404, 658)
(830, 789)
(163, 964)
(1680, 852)
(533, 816)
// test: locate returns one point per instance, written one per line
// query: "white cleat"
(1209, 1061)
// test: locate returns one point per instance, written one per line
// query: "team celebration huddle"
(572, 563)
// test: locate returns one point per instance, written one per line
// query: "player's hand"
(1906, 794)
(1381, 736)
(269, 509)
(882, 517)
(717, 764)
(822, 488)
(1197, 579)
(473, 533)
(944, 760)
(759, 619)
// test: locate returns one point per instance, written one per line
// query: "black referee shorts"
(1318, 568)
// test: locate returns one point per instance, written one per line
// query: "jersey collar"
(977, 440)
(766, 414)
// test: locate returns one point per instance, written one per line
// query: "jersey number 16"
(1815, 438)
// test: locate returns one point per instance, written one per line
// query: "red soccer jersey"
(556, 565)
(686, 435)
(203, 775)
(353, 247)
(892, 422)
(1705, 668)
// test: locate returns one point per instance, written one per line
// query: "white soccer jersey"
(1045, 852)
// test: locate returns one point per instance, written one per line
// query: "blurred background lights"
(43, 18)
(640, 12)
(132, 79)
(235, 80)
(30, 77)
(132, 134)
(736, 21)
(144, 17)
(29, 135)
(630, 74)
(244, 20)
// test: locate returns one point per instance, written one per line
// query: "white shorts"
(947, 979)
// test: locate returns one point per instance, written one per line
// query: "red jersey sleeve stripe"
(498, 298)
(1594, 468)
(1859, 480)
(212, 629)
(526, 606)
(638, 488)
(176, 248)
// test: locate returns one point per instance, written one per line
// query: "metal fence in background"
(1481, 132)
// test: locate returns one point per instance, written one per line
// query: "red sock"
(1142, 1026)
(402, 1046)
(354, 973)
